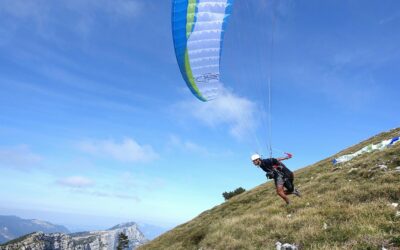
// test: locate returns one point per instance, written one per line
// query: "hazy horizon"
(76, 222)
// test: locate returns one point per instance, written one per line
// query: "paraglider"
(367, 149)
(198, 28)
(282, 176)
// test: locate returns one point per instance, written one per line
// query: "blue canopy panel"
(198, 31)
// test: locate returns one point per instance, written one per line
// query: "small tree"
(228, 195)
(123, 242)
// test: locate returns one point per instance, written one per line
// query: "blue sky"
(97, 123)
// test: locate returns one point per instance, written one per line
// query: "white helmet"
(255, 157)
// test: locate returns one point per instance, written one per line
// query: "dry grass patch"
(343, 207)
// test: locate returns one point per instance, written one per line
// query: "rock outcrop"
(96, 240)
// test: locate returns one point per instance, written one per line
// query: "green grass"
(343, 207)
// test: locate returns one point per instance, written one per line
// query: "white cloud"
(126, 151)
(76, 182)
(238, 113)
(175, 141)
(18, 156)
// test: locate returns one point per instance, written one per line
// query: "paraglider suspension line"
(269, 85)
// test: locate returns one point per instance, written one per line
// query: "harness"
(280, 170)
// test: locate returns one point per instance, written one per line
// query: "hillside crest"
(344, 206)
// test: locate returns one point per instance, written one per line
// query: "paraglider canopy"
(198, 31)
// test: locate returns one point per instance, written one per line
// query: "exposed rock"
(96, 240)
(286, 246)
(352, 170)
(379, 167)
(383, 167)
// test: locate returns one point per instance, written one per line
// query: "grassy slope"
(340, 209)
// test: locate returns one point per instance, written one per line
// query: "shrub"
(123, 241)
(228, 195)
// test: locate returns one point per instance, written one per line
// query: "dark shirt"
(273, 167)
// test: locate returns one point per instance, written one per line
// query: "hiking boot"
(296, 192)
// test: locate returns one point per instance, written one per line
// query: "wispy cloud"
(390, 18)
(19, 157)
(43, 14)
(363, 57)
(351, 92)
(94, 92)
(85, 186)
(41, 8)
(130, 180)
(76, 182)
(111, 195)
(344, 77)
(238, 113)
(24, 9)
(128, 150)
(117, 8)
(188, 146)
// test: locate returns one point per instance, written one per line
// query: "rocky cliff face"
(96, 240)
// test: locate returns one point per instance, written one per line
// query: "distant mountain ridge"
(94, 240)
(12, 227)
